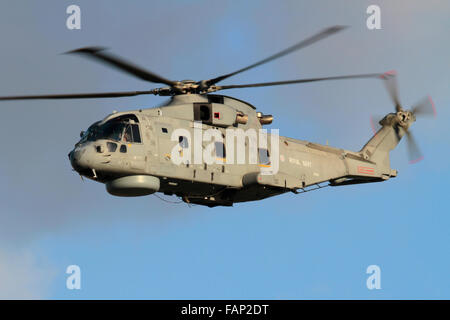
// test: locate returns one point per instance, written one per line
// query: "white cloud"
(23, 276)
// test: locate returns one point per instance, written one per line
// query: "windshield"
(114, 129)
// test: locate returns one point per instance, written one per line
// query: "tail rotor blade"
(424, 108)
(390, 80)
(413, 149)
(375, 123)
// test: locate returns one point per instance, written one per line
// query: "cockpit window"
(116, 129)
(132, 133)
(111, 130)
(136, 134)
(128, 137)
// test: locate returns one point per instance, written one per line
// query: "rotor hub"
(405, 118)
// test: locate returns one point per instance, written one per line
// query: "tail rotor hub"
(405, 118)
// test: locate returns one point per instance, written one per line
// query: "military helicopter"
(132, 152)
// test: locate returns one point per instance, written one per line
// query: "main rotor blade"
(424, 107)
(319, 36)
(390, 78)
(79, 95)
(414, 153)
(99, 54)
(278, 83)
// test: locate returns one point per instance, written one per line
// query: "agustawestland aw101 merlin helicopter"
(131, 151)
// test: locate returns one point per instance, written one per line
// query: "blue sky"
(315, 245)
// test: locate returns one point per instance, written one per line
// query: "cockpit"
(91, 157)
(123, 128)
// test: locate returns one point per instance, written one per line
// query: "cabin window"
(220, 150)
(264, 156)
(123, 148)
(183, 142)
(164, 130)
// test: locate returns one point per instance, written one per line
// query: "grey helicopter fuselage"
(144, 151)
(131, 153)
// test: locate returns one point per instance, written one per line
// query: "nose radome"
(74, 155)
(80, 157)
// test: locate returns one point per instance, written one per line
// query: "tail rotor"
(404, 118)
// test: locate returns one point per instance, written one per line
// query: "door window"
(264, 156)
(220, 150)
(183, 142)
